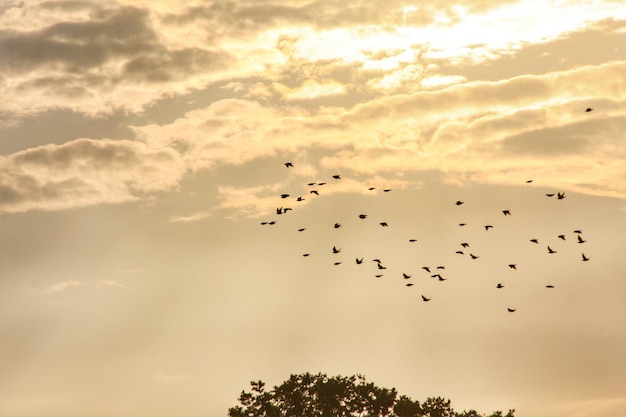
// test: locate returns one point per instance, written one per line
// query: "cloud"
(62, 286)
(85, 172)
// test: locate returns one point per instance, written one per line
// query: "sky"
(145, 270)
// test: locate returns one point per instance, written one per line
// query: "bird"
(300, 199)
(337, 177)
(534, 240)
(314, 192)
(372, 188)
(387, 190)
(441, 278)
(465, 244)
(279, 210)
(560, 196)
(427, 269)
(286, 209)
(311, 183)
(384, 224)
(549, 286)
(271, 223)
(412, 240)
(459, 202)
(550, 250)
(380, 266)
(511, 310)
(305, 254)
(585, 258)
(288, 164)
(263, 223)
(529, 181)
(462, 224)
(506, 212)
(580, 239)
(474, 256)
(512, 266)
(499, 286)
(301, 229)
(441, 267)
(561, 237)
(487, 227)
(460, 252)
(359, 261)
(425, 299)
(409, 284)
(336, 250)
(550, 194)
(362, 216)
(376, 260)
(379, 275)
(284, 195)
(405, 275)
(578, 231)
(337, 263)
(588, 109)
(337, 225)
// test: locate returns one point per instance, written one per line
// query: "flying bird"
(562, 237)
(460, 252)
(337, 225)
(378, 276)
(549, 286)
(427, 269)
(550, 250)
(406, 276)
(311, 183)
(380, 266)
(511, 310)
(499, 286)
(425, 299)
(465, 244)
(585, 258)
(534, 240)
(288, 164)
(337, 177)
(359, 261)
(588, 109)
(387, 190)
(506, 212)
(301, 229)
(412, 240)
(529, 181)
(376, 260)
(441, 267)
(512, 266)
(580, 239)
(550, 195)
(284, 195)
(474, 256)
(384, 224)
(487, 227)
(362, 216)
(462, 224)
(300, 199)
(314, 192)
(372, 188)
(409, 284)
(271, 223)
(458, 203)
(560, 196)
(338, 263)
(305, 254)
(336, 250)
(578, 231)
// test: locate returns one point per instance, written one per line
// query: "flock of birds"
(434, 272)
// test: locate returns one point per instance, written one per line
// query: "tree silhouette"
(308, 395)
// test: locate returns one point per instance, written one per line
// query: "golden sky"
(142, 143)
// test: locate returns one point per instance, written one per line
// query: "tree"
(308, 395)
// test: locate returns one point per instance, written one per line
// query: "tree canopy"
(317, 395)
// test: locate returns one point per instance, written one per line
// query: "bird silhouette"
(376, 260)
(460, 252)
(462, 224)
(506, 212)
(425, 299)
(550, 195)
(441, 278)
(550, 250)
(362, 216)
(314, 192)
(284, 195)
(511, 310)
(549, 286)
(589, 109)
(410, 284)
(300, 199)
(305, 254)
(465, 244)
(412, 240)
(380, 266)
(359, 261)
(336, 250)
(384, 224)
(499, 286)
(578, 231)
(580, 239)
(301, 229)
(338, 263)
(561, 237)
(474, 256)
(337, 225)
(311, 183)
(263, 223)
(378, 276)
(585, 258)
(387, 190)
(459, 202)
(560, 196)
(487, 227)
(337, 177)
(534, 240)
(271, 223)
(441, 267)
(427, 269)
(279, 210)
(512, 266)
(288, 164)
(405, 275)
(529, 181)
(372, 188)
